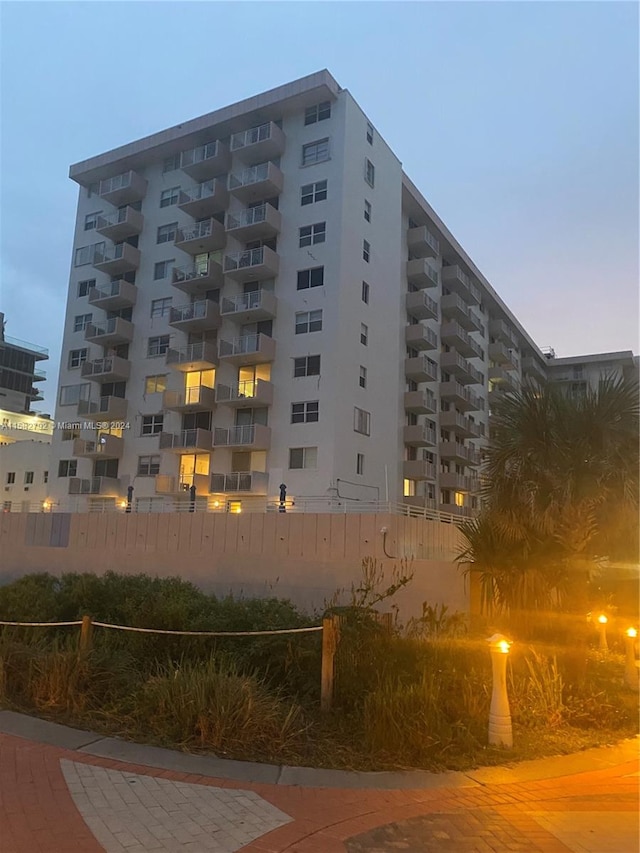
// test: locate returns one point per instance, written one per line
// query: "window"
(315, 152)
(361, 421)
(363, 377)
(162, 269)
(370, 173)
(45, 476)
(160, 307)
(360, 463)
(157, 346)
(11, 477)
(311, 193)
(319, 112)
(366, 250)
(369, 133)
(304, 413)
(312, 234)
(167, 233)
(67, 467)
(171, 163)
(70, 434)
(77, 357)
(303, 457)
(308, 321)
(155, 384)
(70, 395)
(308, 365)
(152, 424)
(367, 210)
(93, 189)
(91, 220)
(169, 197)
(364, 334)
(28, 478)
(148, 466)
(313, 277)
(365, 292)
(81, 321)
(85, 286)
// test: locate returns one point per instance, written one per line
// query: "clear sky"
(518, 121)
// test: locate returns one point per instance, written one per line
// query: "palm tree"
(560, 493)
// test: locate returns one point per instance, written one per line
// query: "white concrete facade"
(24, 475)
(436, 347)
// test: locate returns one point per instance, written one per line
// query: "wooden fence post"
(86, 632)
(330, 637)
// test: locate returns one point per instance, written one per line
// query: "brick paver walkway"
(54, 800)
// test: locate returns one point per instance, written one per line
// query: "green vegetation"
(406, 697)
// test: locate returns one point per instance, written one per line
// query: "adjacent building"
(577, 374)
(261, 298)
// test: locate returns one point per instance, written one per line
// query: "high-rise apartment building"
(18, 373)
(578, 373)
(261, 297)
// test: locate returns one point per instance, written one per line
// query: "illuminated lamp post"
(602, 632)
(500, 733)
(631, 668)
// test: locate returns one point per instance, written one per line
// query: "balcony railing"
(453, 334)
(461, 396)
(197, 316)
(420, 435)
(266, 141)
(252, 264)
(457, 281)
(422, 242)
(452, 306)
(418, 469)
(111, 297)
(461, 425)
(453, 362)
(421, 306)
(248, 349)
(196, 397)
(462, 452)
(105, 409)
(120, 259)
(256, 305)
(503, 356)
(200, 356)
(105, 486)
(110, 333)
(264, 180)
(108, 369)
(459, 482)
(421, 369)
(123, 189)
(105, 447)
(202, 237)
(420, 402)
(186, 440)
(255, 482)
(197, 279)
(420, 337)
(254, 223)
(209, 197)
(500, 329)
(421, 274)
(205, 161)
(255, 436)
(126, 222)
(248, 392)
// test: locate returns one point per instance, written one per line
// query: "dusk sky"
(518, 121)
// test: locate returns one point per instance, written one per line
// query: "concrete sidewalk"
(64, 790)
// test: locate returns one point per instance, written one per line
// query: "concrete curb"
(96, 745)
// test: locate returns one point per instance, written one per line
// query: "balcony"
(200, 356)
(453, 363)
(504, 356)
(249, 307)
(252, 482)
(502, 331)
(107, 487)
(457, 281)
(126, 222)
(205, 161)
(198, 316)
(257, 183)
(186, 441)
(247, 437)
(247, 393)
(418, 469)
(265, 142)
(534, 367)
(420, 402)
(421, 369)
(206, 199)
(461, 426)
(459, 511)
(105, 447)
(204, 237)
(120, 259)
(461, 397)
(419, 435)
(421, 242)
(198, 398)
(454, 308)
(181, 486)
(504, 378)
(248, 349)
(108, 369)
(199, 278)
(106, 409)
(420, 337)
(421, 274)
(254, 223)
(421, 306)
(126, 188)
(110, 333)
(458, 452)
(39, 375)
(252, 264)
(459, 482)
(112, 297)
(454, 335)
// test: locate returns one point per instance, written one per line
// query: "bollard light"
(500, 731)
(630, 668)
(602, 632)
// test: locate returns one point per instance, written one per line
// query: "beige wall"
(306, 557)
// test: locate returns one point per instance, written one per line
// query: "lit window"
(155, 384)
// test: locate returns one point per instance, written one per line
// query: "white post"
(602, 632)
(500, 732)
(631, 669)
